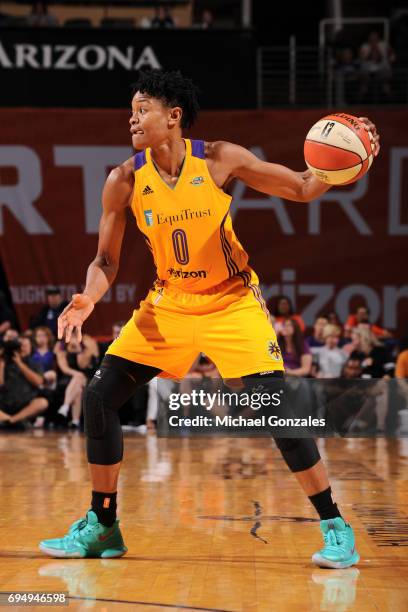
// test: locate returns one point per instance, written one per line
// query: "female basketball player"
(206, 298)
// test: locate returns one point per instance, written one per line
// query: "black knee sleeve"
(102, 428)
(299, 453)
(112, 385)
(94, 414)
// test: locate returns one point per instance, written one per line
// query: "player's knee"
(41, 404)
(94, 413)
(299, 453)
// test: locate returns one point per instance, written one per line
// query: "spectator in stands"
(20, 380)
(7, 318)
(202, 369)
(330, 358)
(40, 17)
(43, 354)
(366, 347)
(333, 318)
(295, 350)
(284, 311)
(207, 20)
(162, 18)
(352, 369)
(77, 361)
(399, 398)
(10, 334)
(317, 339)
(401, 368)
(116, 329)
(376, 58)
(48, 315)
(346, 71)
(399, 27)
(362, 316)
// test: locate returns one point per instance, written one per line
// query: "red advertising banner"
(347, 248)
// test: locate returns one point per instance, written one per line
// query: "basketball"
(338, 149)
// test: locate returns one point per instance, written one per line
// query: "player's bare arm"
(228, 161)
(102, 271)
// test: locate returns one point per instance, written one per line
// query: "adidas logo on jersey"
(147, 190)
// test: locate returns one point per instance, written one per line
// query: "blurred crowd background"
(42, 379)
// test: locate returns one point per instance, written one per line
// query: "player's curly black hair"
(173, 89)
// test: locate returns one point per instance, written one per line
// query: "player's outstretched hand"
(73, 316)
(370, 127)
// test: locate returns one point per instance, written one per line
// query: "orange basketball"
(338, 149)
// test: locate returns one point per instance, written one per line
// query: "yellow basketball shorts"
(229, 323)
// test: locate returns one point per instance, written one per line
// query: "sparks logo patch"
(197, 180)
(148, 217)
(147, 190)
(274, 350)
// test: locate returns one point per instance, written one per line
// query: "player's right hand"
(73, 316)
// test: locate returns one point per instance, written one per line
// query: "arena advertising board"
(95, 68)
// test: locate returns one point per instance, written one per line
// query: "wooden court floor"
(211, 525)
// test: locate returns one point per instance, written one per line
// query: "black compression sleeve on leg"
(299, 453)
(112, 385)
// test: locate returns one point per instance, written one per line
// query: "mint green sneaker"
(339, 549)
(87, 538)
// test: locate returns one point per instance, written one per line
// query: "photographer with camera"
(20, 380)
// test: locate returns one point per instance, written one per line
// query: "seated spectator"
(295, 350)
(346, 73)
(77, 361)
(20, 380)
(333, 318)
(366, 347)
(284, 311)
(352, 369)
(40, 17)
(202, 368)
(330, 358)
(317, 339)
(116, 329)
(162, 18)
(48, 315)
(7, 317)
(43, 353)
(10, 334)
(376, 58)
(362, 315)
(44, 356)
(207, 20)
(401, 368)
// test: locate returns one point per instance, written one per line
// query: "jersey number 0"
(180, 247)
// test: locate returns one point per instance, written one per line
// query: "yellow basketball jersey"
(188, 228)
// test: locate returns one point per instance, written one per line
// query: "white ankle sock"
(64, 410)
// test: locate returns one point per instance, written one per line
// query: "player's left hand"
(370, 127)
